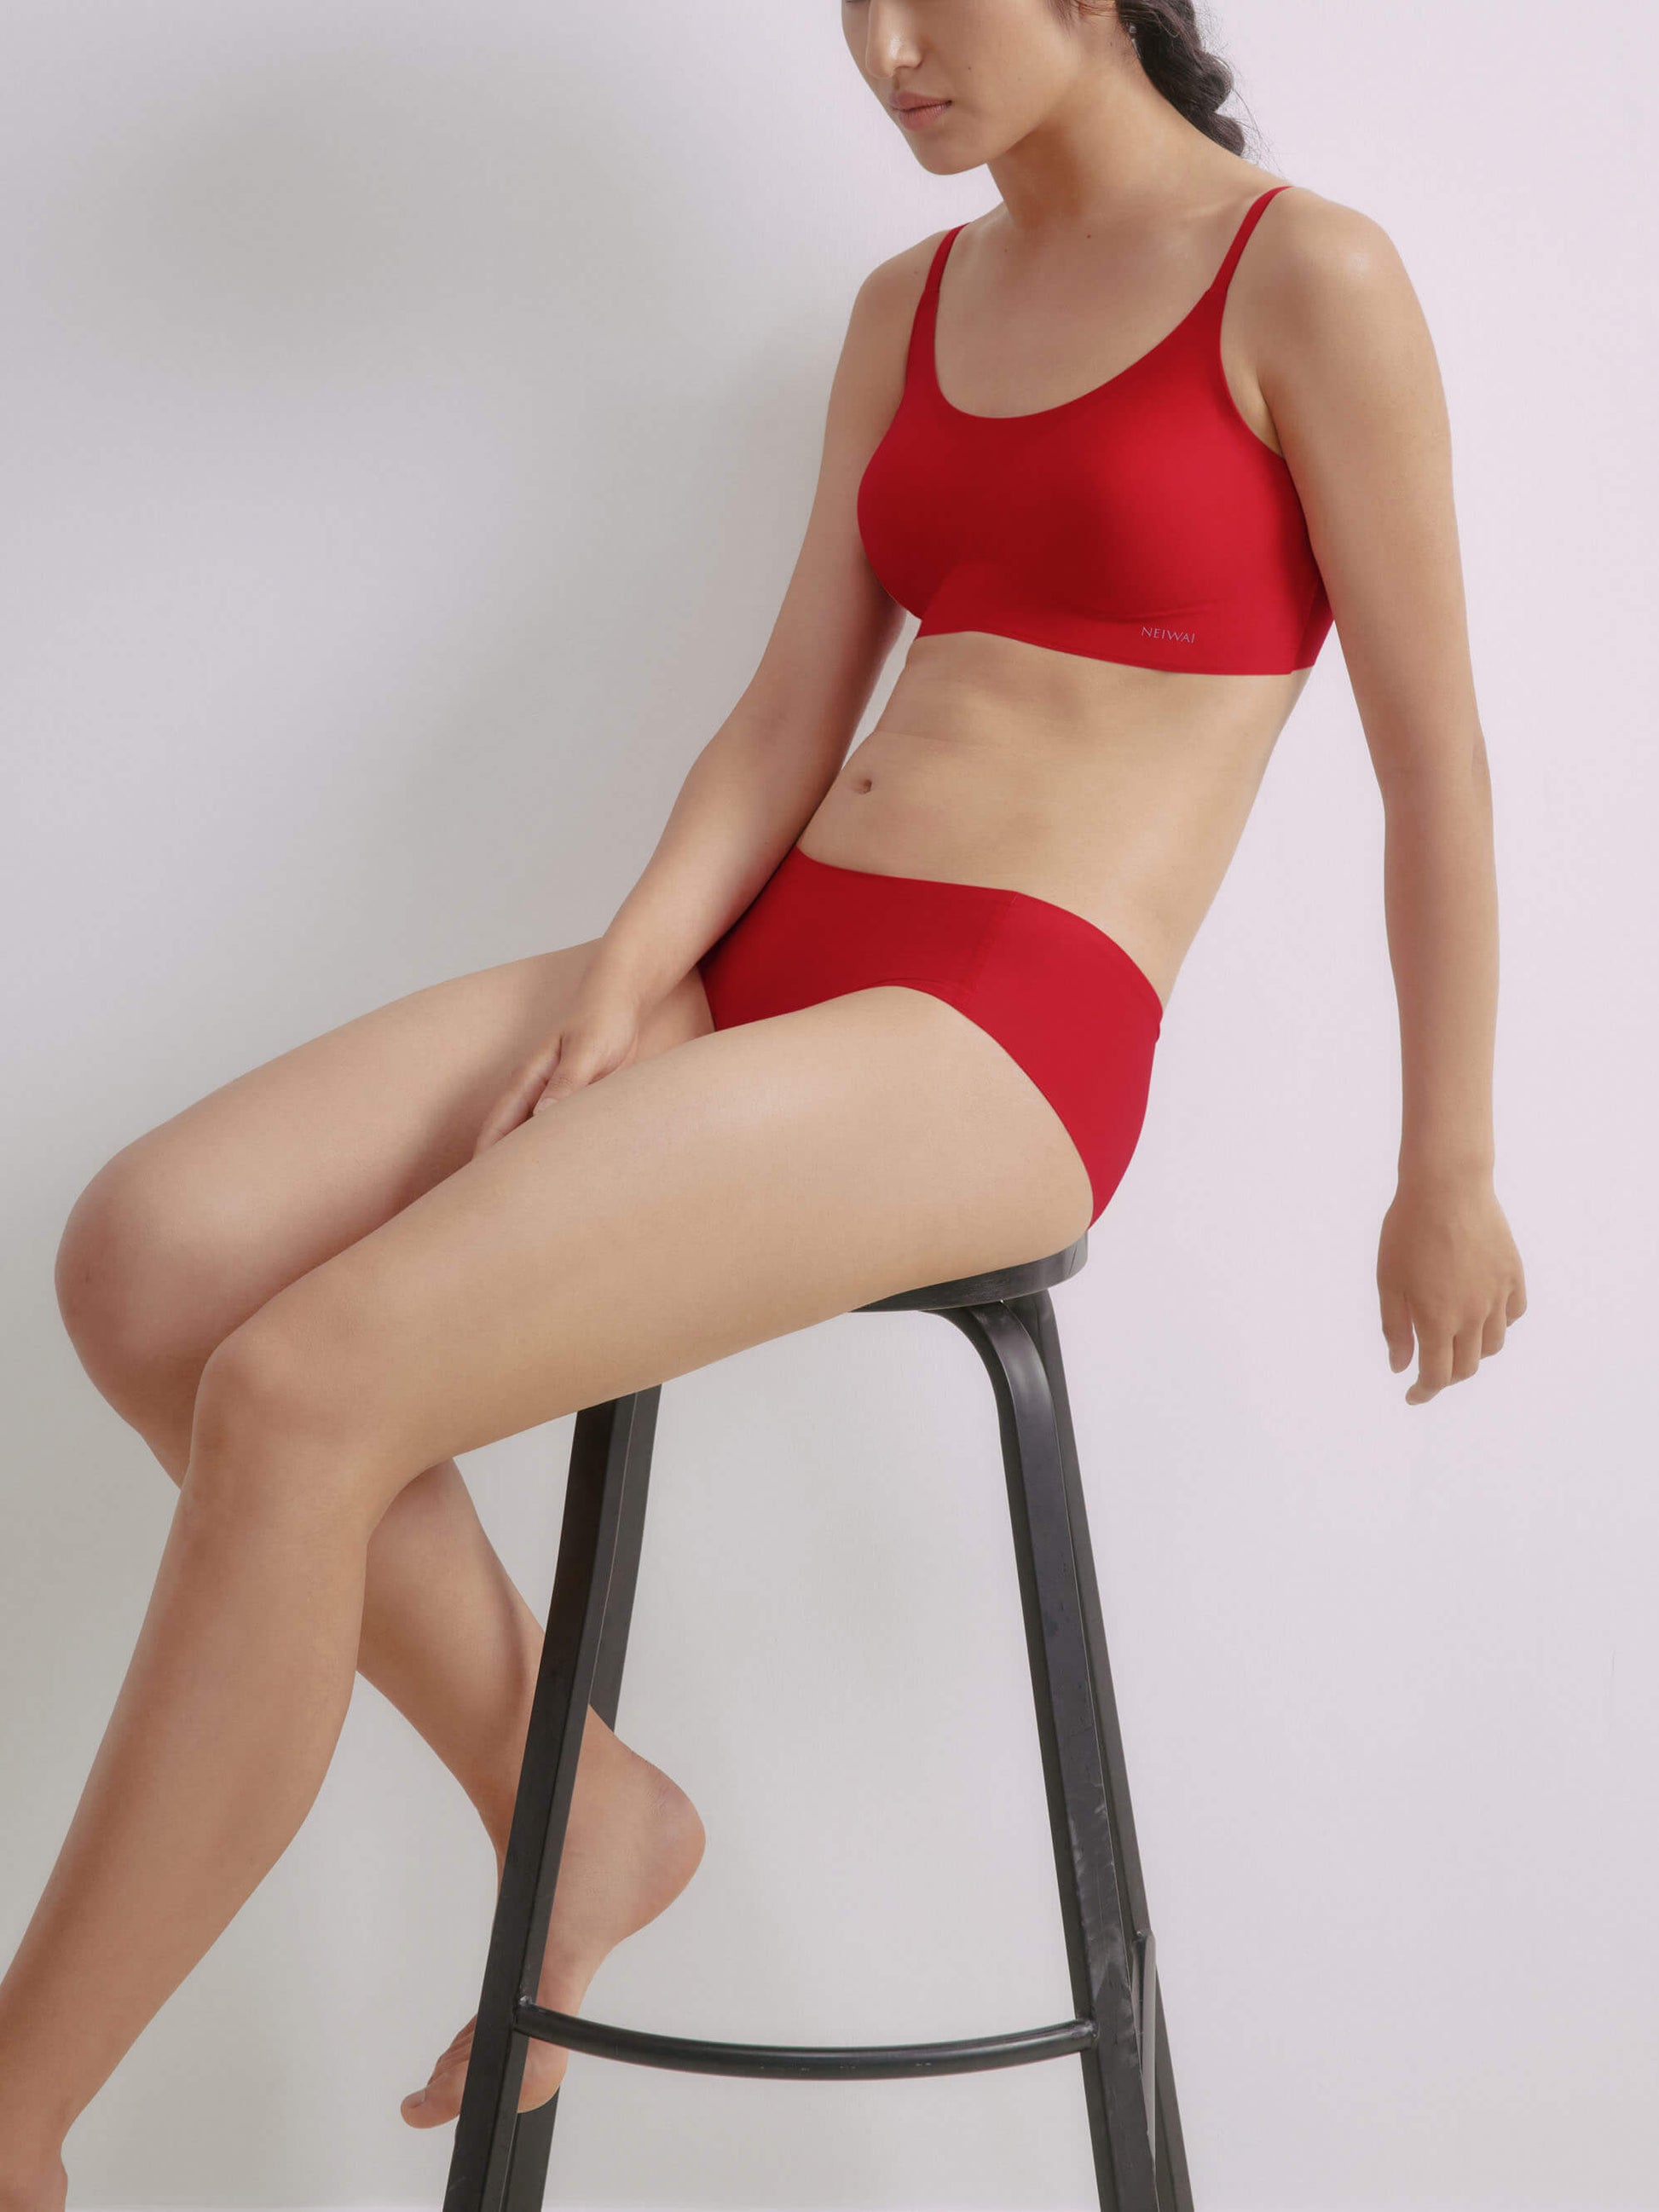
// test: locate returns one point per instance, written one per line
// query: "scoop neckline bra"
(930, 351)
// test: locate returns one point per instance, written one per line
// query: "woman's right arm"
(760, 777)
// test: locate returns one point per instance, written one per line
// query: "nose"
(890, 40)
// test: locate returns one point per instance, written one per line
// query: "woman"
(1126, 443)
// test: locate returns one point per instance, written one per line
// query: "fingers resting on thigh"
(193, 1226)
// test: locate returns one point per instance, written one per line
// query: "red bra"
(1143, 521)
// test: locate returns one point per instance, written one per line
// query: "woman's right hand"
(600, 1033)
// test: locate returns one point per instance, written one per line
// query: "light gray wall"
(412, 411)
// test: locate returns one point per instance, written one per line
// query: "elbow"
(1435, 770)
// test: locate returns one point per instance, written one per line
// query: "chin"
(940, 160)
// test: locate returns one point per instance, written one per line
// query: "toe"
(440, 2100)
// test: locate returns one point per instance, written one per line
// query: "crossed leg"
(730, 1188)
(188, 1232)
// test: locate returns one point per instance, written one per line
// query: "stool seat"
(1022, 1282)
(499, 2158)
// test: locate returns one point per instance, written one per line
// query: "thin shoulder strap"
(1224, 276)
(919, 354)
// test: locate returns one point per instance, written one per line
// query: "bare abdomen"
(1119, 793)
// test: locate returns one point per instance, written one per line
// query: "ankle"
(36, 2184)
(600, 1757)
(33, 2122)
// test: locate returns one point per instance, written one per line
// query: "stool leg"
(532, 2134)
(1175, 2189)
(495, 2151)
(1100, 1938)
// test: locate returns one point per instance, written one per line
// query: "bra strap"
(1241, 237)
(919, 354)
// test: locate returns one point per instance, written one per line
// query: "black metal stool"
(499, 2158)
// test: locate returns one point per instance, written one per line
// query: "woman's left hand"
(1447, 1269)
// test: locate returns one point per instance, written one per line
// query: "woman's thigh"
(194, 1225)
(752, 1181)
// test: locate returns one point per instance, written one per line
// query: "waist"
(1119, 793)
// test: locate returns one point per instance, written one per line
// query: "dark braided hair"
(1172, 53)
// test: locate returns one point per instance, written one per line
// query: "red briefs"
(1061, 997)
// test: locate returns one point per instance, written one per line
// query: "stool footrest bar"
(804, 2062)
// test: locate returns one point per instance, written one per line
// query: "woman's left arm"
(1348, 369)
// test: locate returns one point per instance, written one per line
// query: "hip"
(1060, 996)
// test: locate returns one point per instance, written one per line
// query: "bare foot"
(632, 1843)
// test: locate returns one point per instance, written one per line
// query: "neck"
(1112, 153)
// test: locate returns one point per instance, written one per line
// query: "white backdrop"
(413, 411)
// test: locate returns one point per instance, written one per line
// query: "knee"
(285, 1413)
(141, 1278)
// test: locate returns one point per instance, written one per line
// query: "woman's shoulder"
(1330, 319)
(897, 281)
(885, 305)
(1308, 253)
